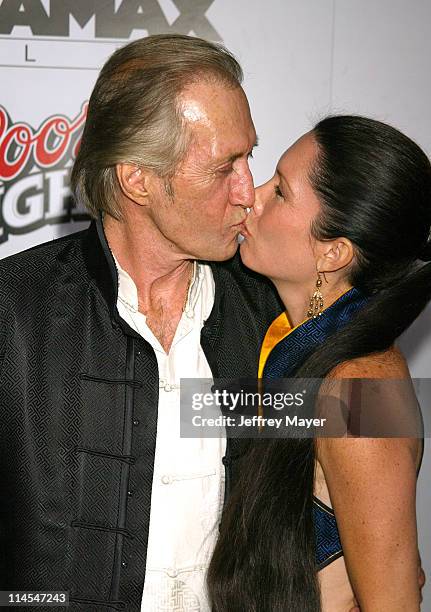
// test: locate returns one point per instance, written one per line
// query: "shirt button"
(166, 479)
(168, 387)
(172, 573)
(124, 564)
(129, 493)
(135, 422)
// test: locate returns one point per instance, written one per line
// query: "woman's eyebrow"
(285, 181)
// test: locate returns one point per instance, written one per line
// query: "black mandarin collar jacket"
(78, 402)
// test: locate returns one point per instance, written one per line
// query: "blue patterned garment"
(328, 544)
(288, 355)
(283, 361)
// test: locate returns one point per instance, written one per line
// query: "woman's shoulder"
(390, 363)
(386, 409)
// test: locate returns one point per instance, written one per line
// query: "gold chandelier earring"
(316, 301)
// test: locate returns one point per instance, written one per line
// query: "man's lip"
(241, 223)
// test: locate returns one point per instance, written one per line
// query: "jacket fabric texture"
(78, 401)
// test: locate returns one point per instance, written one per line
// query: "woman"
(341, 229)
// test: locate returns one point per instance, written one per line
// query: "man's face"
(213, 185)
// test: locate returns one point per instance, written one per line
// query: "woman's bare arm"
(372, 485)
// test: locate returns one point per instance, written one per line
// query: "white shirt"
(188, 481)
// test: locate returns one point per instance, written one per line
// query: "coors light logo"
(34, 172)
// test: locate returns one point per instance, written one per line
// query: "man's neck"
(161, 276)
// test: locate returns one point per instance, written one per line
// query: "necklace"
(188, 286)
(189, 282)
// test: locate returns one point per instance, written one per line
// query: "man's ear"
(132, 181)
(334, 255)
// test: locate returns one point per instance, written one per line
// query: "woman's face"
(278, 242)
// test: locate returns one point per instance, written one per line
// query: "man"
(101, 496)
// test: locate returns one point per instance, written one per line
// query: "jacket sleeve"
(5, 333)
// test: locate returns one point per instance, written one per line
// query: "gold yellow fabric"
(278, 330)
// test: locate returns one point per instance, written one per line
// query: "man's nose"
(242, 189)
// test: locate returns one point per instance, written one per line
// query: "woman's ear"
(132, 181)
(334, 254)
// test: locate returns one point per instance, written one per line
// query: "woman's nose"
(259, 199)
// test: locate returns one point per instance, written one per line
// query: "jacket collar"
(101, 266)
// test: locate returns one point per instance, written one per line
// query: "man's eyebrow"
(235, 156)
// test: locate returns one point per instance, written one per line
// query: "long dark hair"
(374, 187)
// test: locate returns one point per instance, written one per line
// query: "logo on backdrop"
(33, 32)
(34, 172)
(67, 34)
(110, 21)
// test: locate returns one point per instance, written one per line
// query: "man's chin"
(220, 254)
(226, 255)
